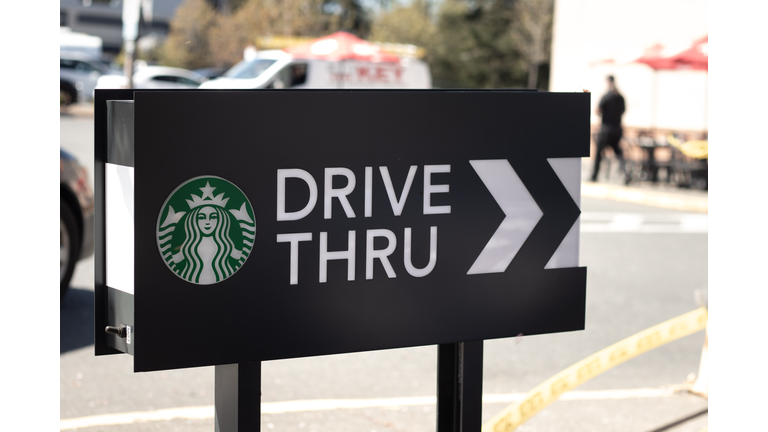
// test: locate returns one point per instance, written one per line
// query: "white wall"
(588, 31)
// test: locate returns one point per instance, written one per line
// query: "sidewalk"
(80, 109)
(646, 193)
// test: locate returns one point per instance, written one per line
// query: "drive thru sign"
(278, 224)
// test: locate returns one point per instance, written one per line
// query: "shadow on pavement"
(76, 323)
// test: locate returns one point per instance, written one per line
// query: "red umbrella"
(341, 46)
(693, 56)
(687, 56)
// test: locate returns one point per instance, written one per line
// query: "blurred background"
(644, 223)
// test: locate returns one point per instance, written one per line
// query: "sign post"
(238, 397)
(460, 386)
(242, 226)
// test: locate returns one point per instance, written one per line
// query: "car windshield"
(249, 69)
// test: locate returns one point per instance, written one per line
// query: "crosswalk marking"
(611, 222)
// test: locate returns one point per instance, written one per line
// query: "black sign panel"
(280, 224)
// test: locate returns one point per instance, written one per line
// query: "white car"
(153, 77)
(78, 75)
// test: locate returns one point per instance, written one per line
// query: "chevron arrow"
(522, 215)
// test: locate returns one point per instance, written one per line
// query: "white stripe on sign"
(602, 222)
(568, 170)
(521, 211)
(207, 412)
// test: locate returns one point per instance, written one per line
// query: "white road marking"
(606, 222)
(207, 412)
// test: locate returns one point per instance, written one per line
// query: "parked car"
(76, 226)
(151, 77)
(210, 73)
(78, 75)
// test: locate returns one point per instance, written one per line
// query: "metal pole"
(460, 387)
(131, 10)
(654, 102)
(706, 103)
(237, 397)
(130, 49)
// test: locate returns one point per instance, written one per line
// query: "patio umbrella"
(686, 56)
(693, 56)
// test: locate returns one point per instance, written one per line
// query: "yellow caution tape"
(548, 391)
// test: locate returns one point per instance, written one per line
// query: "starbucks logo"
(206, 230)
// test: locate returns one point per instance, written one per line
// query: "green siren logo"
(206, 230)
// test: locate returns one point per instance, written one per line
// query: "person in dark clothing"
(611, 108)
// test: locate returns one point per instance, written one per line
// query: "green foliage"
(406, 24)
(203, 37)
(475, 43)
(188, 44)
(532, 30)
(469, 43)
(474, 48)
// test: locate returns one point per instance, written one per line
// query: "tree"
(474, 48)
(188, 43)
(406, 24)
(532, 32)
(202, 37)
(346, 15)
(469, 43)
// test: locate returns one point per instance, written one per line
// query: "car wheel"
(69, 245)
(67, 93)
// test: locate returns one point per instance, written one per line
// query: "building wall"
(104, 19)
(585, 32)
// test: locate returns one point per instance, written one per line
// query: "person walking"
(610, 109)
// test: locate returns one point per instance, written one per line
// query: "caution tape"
(548, 391)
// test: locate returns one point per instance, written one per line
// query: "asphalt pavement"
(638, 275)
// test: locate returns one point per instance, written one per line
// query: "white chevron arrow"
(517, 204)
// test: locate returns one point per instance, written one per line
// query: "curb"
(77, 110)
(668, 200)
